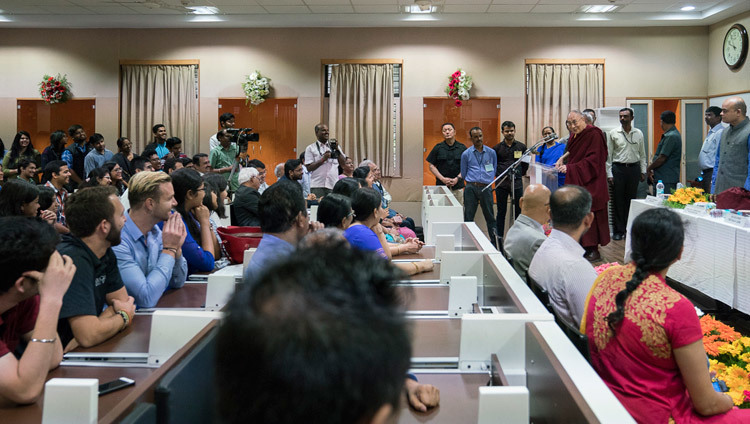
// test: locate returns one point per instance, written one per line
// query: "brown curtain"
(159, 94)
(361, 112)
(555, 90)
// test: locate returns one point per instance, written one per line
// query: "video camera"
(333, 144)
(242, 136)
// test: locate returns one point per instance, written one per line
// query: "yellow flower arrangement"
(729, 358)
(685, 196)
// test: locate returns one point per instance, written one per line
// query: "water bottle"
(679, 186)
(659, 189)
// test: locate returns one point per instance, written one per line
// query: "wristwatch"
(125, 318)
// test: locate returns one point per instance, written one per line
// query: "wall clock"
(735, 46)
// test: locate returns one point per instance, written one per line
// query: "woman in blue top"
(550, 152)
(366, 233)
(198, 248)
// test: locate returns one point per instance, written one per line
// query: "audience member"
(32, 284)
(305, 181)
(284, 221)
(731, 168)
(645, 338)
(26, 171)
(527, 233)
(199, 244)
(159, 143)
(124, 157)
(98, 155)
(347, 169)
(187, 163)
(364, 173)
(75, 155)
(153, 158)
(558, 265)
(352, 312)
(57, 176)
(115, 175)
(221, 185)
(174, 145)
(95, 218)
(172, 164)
(335, 211)
(57, 142)
(150, 259)
(138, 164)
(346, 186)
(278, 171)
(318, 160)
(225, 159)
(478, 165)
(665, 166)
(226, 120)
(97, 177)
(201, 163)
(261, 167)
(445, 161)
(245, 205)
(404, 225)
(20, 149)
(21, 198)
(211, 201)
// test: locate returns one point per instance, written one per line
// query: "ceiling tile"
(373, 2)
(113, 9)
(447, 2)
(332, 9)
(555, 8)
(46, 3)
(280, 2)
(378, 8)
(143, 10)
(510, 8)
(219, 3)
(465, 8)
(515, 2)
(327, 2)
(67, 10)
(637, 8)
(287, 9)
(242, 10)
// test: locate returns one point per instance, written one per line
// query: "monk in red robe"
(586, 157)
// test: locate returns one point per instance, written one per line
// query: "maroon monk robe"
(586, 168)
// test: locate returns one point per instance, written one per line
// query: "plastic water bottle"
(679, 186)
(659, 189)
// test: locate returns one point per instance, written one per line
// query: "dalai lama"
(586, 157)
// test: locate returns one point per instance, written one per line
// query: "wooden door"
(275, 120)
(41, 119)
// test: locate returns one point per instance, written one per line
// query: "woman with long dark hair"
(20, 149)
(124, 157)
(198, 248)
(645, 339)
(57, 142)
(115, 175)
(97, 177)
(21, 198)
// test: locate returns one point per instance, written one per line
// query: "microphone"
(544, 140)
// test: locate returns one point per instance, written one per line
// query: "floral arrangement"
(729, 358)
(601, 268)
(55, 89)
(458, 87)
(685, 196)
(256, 87)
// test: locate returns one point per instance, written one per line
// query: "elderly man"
(731, 167)
(558, 265)
(527, 233)
(245, 205)
(587, 157)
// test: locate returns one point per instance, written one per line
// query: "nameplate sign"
(735, 219)
(696, 210)
(652, 200)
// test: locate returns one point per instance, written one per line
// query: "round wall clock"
(735, 46)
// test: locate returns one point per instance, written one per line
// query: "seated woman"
(211, 201)
(21, 198)
(366, 233)
(48, 202)
(335, 211)
(364, 173)
(97, 177)
(115, 176)
(347, 170)
(645, 339)
(346, 186)
(198, 248)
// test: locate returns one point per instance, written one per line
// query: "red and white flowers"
(458, 87)
(55, 89)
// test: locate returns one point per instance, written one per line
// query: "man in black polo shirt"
(445, 162)
(95, 218)
(508, 152)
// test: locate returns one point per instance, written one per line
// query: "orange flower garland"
(729, 358)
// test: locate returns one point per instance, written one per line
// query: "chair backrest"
(540, 292)
(579, 340)
(232, 216)
(186, 393)
(143, 413)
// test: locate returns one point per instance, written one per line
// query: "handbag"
(236, 240)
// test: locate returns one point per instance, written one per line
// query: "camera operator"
(225, 157)
(322, 159)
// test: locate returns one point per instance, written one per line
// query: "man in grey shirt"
(666, 164)
(527, 232)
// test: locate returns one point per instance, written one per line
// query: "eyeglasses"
(351, 213)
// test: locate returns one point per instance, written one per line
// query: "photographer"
(322, 159)
(225, 157)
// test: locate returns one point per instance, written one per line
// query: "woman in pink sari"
(645, 339)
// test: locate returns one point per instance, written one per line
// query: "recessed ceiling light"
(599, 8)
(414, 8)
(206, 18)
(687, 8)
(203, 10)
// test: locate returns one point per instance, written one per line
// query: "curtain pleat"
(159, 94)
(361, 114)
(555, 90)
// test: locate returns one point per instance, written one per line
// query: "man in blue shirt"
(150, 260)
(98, 154)
(284, 221)
(478, 165)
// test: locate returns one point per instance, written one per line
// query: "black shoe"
(617, 236)
(593, 255)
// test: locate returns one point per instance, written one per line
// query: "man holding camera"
(225, 157)
(322, 159)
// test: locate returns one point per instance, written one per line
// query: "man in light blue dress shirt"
(150, 260)
(478, 166)
(707, 156)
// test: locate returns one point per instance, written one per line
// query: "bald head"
(535, 203)
(733, 110)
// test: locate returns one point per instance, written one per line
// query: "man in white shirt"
(226, 120)
(626, 167)
(559, 265)
(707, 156)
(322, 163)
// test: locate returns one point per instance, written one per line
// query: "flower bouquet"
(729, 358)
(55, 89)
(458, 87)
(685, 196)
(256, 87)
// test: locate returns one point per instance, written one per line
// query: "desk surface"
(134, 339)
(436, 337)
(459, 399)
(427, 252)
(429, 298)
(191, 295)
(432, 275)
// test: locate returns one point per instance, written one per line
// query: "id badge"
(517, 154)
(488, 167)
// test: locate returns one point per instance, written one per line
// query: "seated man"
(138, 164)
(559, 265)
(261, 167)
(245, 205)
(30, 266)
(284, 221)
(95, 218)
(319, 369)
(527, 232)
(150, 260)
